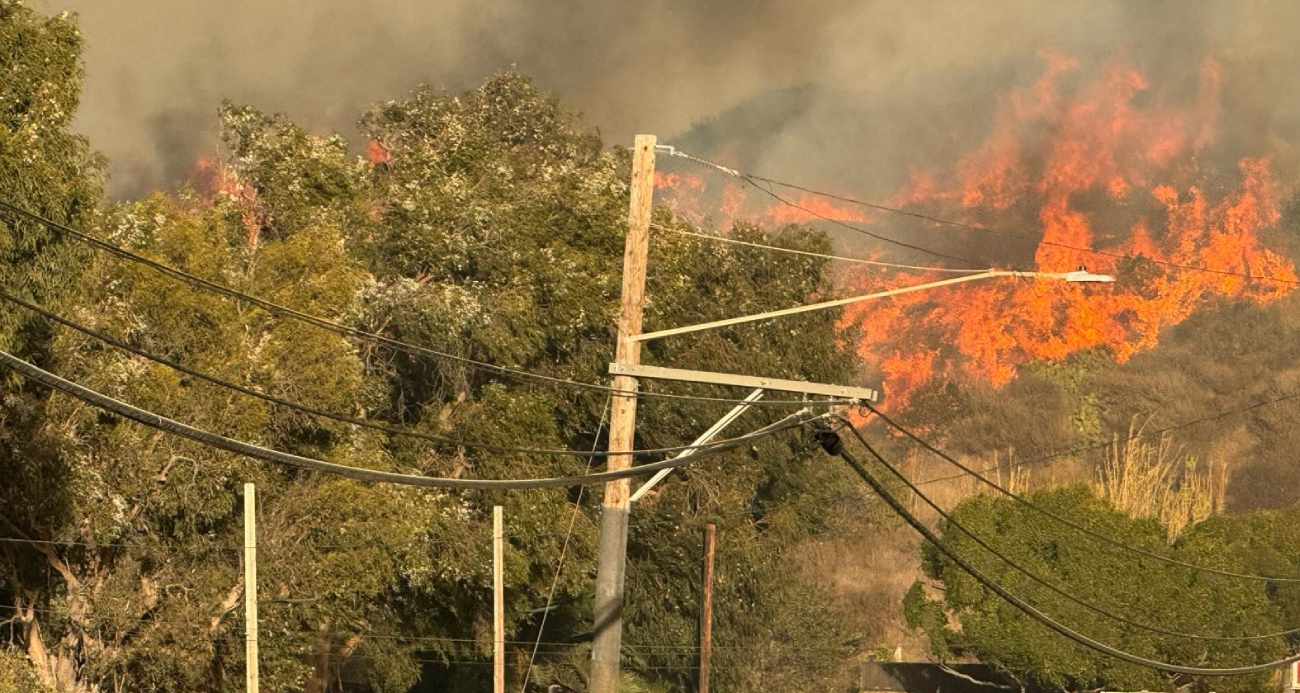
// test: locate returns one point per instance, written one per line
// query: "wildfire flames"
(1099, 162)
(212, 178)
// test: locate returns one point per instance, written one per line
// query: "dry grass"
(867, 573)
(1146, 479)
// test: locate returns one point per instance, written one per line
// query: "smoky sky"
(880, 83)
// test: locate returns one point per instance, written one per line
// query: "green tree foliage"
(487, 224)
(47, 169)
(969, 620)
(44, 167)
(17, 675)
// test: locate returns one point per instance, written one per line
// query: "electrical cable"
(752, 179)
(210, 439)
(947, 517)
(858, 229)
(238, 546)
(342, 418)
(667, 649)
(792, 251)
(1140, 434)
(834, 446)
(1064, 520)
(282, 311)
(559, 561)
(1023, 234)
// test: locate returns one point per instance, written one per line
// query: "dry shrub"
(867, 570)
(947, 487)
(866, 573)
(1012, 476)
(1146, 479)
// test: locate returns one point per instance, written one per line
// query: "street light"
(1083, 275)
(1078, 276)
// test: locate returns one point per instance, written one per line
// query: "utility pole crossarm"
(757, 382)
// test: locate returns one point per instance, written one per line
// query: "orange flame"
(213, 178)
(1102, 163)
(1144, 159)
(377, 153)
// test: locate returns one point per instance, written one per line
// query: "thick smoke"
(894, 82)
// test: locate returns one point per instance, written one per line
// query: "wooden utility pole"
(250, 589)
(706, 609)
(498, 603)
(612, 556)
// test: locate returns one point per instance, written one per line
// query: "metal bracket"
(705, 437)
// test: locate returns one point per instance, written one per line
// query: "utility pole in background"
(250, 589)
(498, 602)
(706, 608)
(612, 556)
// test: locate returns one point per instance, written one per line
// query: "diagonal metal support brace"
(705, 437)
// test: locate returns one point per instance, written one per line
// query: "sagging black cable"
(208, 438)
(754, 179)
(1001, 231)
(1053, 587)
(1065, 520)
(282, 311)
(834, 446)
(342, 418)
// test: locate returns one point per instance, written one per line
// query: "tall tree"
(45, 168)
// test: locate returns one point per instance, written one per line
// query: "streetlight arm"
(1077, 276)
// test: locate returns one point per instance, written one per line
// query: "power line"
(1024, 234)
(268, 548)
(279, 310)
(753, 181)
(752, 178)
(1061, 519)
(948, 518)
(1140, 434)
(843, 224)
(640, 524)
(736, 241)
(559, 562)
(210, 439)
(834, 446)
(290, 404)
(488, 662)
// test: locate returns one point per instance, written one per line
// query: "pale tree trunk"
(318, 681)
(327, 661)
(57, 669)
(57, 666)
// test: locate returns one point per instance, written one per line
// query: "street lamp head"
(1083, 275)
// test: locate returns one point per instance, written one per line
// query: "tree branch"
(53, 558)
(953, 672)
(228, 604)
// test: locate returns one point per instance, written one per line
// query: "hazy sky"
(158, 69)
